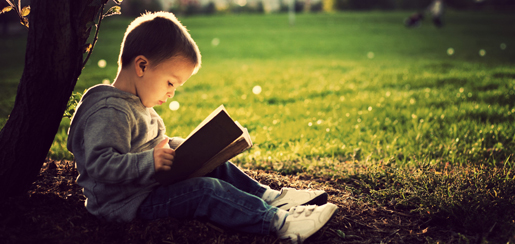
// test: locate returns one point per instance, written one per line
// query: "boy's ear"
(141, 65)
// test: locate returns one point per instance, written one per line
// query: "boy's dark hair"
(158, 36)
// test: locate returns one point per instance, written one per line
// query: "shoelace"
(298, 210)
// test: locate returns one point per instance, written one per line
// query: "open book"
(215, 140)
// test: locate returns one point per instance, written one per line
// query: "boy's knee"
(228, 165)
(209, 183)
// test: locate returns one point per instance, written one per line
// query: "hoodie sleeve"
(107, 144)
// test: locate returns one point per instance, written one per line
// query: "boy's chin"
(149, 105)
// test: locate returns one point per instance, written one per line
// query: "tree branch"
(95, 39)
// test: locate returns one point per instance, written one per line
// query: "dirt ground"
(53, 212)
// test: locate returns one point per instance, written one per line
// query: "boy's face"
(159, 82)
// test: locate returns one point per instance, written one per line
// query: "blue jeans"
(227, 197)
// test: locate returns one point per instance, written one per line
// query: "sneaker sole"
(318, 200)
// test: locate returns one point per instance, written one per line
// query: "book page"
(245, 134)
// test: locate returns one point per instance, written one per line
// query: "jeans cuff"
(261, 191)
(268, 220)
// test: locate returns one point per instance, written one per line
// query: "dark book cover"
(203, 144)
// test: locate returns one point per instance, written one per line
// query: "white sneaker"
(291, 197)
(304, 221)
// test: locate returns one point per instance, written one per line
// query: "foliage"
(72, 104)
(136, 8)
(22, 12)
(114, 10)
(420, 5)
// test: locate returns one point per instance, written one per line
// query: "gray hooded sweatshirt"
(112, 136)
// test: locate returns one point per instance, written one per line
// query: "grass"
(355, 98)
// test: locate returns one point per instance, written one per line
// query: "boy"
(121, 149)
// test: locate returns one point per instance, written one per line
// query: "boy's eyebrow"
(176, 77)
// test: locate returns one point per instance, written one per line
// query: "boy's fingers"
(162, 143)
(169, 151)
(164, 167)
(165, 151)
(168, 157)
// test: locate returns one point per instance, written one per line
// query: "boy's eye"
(170, 84)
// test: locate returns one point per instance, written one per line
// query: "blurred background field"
(334, 86)
(424, 116)
(337, 85)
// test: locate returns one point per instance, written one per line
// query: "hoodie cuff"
(146, 168)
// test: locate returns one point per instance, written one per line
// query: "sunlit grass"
(358, 98)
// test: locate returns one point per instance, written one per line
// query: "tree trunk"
(53, 62)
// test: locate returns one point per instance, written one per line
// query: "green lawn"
(354, 97)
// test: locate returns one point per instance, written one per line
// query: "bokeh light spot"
(242, 2)
(256, 90)
(174, 106)
(215, 42)
(102, 63)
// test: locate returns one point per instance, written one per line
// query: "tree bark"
(53, 62)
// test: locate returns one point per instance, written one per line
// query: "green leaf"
(341, 233)
(6, 9)
(73, 102)
(118, 1)
(113, 11)
(25, 11)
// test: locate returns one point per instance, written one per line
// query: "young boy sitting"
(121, 149)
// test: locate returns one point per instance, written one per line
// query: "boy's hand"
(163, 159)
